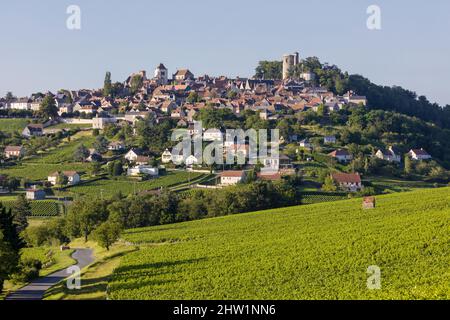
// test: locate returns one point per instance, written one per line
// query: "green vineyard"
(319, 251)
(41, 208)
(109, 187)
(317, 197)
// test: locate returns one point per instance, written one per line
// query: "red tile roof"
(13, 148)
(346, 177)
(339, 152)
(232, 173)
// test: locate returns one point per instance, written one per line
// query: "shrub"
(29, 270)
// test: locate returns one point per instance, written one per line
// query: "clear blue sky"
(38, 52)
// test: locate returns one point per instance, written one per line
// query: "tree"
(136, 83)
(408, 165)
(84, 216)
(321, 110)
(107, 233)
(269, 70)
(10, 245)
(21, 210)
(62, 179)
(107, 86)
(101, 144)
(9, 97)
(48, 108)
(115, 168)
(9, 260)
(9, 229)
(193, 97)
(96, 168)
(329, 184)
(81, 154)
(231, 94)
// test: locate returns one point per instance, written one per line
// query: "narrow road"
(35, 290)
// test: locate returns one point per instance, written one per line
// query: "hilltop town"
(131, 123)
(94, 162)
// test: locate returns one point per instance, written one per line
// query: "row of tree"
(104, 219)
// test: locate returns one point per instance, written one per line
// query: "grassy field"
(65, 152)
(56, 159)
(40, 171)
(13, 125)
(319, 251)
(389, 185)
(109, 187)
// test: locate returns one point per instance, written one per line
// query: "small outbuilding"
(368, 203)
(35, 194)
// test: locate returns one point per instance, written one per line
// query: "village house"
(341, 155)
(166, 156)
(285, 162)
(213, 135)
(33, 130)
(143, 170)
(35, 194)
(101, 122)
(419, 154)
(116, 146)
(329, 140)
(133, 116)
(348, 181)
(191, 161)
(142, 160)
(390, 155)
(236, 150)
(182, 123)
(73, 177)
(65, 109)
(14, 152)
(305, 144)
(228, 178)
(168, 106)
(353, 99)
(21, 104)
(183, 75)
(177, 113)
(133, 154)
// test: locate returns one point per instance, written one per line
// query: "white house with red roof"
(73, 177)
(348, 181)
(232, 177)
(390, 155)
(419, 154)
(341, 155)
(14, 152)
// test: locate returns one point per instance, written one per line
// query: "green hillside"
(320, 251)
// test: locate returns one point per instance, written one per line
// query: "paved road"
(35, 290)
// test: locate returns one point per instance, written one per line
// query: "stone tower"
(162, 74)
(289, 62)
